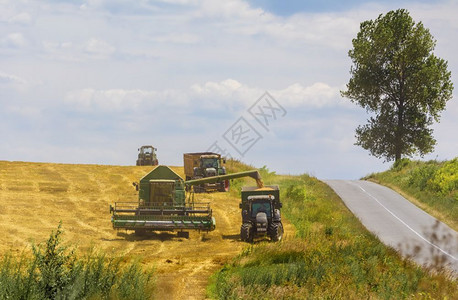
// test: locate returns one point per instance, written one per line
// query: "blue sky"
(288, 8)
(90, 81)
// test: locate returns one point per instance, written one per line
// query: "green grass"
(331, 257)
(433, 185)
(54, 271)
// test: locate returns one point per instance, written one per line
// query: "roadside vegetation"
(432, 185)
(54, 271)
(332, 256)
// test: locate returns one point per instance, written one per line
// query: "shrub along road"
(399, 223)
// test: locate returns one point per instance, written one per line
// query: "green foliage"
(421, 177)
(266, 174)
(56, 267)
(397, 77)
(55, 272)
(401, 164)
(445, 180)
(331, 257)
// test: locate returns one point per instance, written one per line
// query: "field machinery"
(163, 206)
(147, 156)
(260, 207)
(202, 165)
(261, 213)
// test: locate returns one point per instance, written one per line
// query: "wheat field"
(35, 197)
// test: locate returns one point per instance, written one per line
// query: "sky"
(90, 81)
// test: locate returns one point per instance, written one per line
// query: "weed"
(55, 272)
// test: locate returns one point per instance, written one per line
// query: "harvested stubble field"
(35, 197)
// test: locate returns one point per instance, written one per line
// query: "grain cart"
(162, 206)
(147, 156)
(202, 165)
(261, 213)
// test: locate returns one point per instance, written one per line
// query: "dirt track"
(34, 197)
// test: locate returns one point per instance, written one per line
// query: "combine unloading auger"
(215, 179)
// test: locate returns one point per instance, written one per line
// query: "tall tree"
(397, 78)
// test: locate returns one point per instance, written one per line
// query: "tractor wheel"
(246, 234)
(222, 187)
(276, 232)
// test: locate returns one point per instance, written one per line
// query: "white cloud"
(182, 2)
(123, 101)
(14, 40)
(8, 78)
(183, 38)
(317, 95)
(225, 88)
(26, 111)
(92, 49)
(21, 18)
(99, 48)
(218, 96)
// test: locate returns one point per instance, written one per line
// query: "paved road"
(400, 224)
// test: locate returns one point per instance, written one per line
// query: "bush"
(420, 177)
(400, 164)
(445, 179)
(55, 272)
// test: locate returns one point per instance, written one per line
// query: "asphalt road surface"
(399, 223)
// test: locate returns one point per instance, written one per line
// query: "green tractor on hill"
(147, 156)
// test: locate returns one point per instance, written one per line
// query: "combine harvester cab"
(162, 206)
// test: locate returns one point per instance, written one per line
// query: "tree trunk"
(400, 126)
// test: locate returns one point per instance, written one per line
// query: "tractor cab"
(209, 166)
(261, 204)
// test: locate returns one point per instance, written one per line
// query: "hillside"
(431, 185)
(35, 197)
(332, 256)
(325, 253)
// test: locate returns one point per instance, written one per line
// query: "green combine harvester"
(163, 206)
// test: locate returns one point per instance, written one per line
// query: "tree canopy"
(397, 78)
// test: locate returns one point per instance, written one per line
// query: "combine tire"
(246, 234)
(140, 232)
(183, 234)
(276, 232)
(199, 188)
(224, 186)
